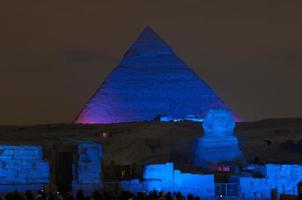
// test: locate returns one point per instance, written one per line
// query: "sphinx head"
(218, 122)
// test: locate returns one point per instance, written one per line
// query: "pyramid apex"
(148, 33)
(148, 29)
(148, 43)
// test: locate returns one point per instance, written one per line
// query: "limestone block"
(21, 167)
(163, 177)
(254, 188)
(284, 178)
(133, 185)
(159, 176)
(198, 184)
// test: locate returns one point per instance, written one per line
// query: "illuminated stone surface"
(159, 176)
(218, 123)
(88, 170)
(284, 178)
(133, 185)
(22, 168)
(219, 144)
(163, 177)
(149, 81)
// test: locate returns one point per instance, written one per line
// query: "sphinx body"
(218, 144)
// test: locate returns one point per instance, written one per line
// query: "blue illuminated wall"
(133, 185)
(163, 177)
(284, 178)
(88, 169)
(150, 80)
(201, 185)
(22, 168)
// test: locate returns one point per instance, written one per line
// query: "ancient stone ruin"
(150, 81)
(218, 144)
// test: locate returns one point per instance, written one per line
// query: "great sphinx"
(218, 144)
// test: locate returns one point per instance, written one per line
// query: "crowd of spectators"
(105, 195)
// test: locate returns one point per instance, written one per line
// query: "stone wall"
(198, 184)
(133, 185)
(163, 177)
(284, 178)
(22, 168)
(159, 177)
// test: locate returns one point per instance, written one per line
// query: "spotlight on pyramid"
(150, 81)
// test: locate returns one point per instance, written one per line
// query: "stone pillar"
(88, 168)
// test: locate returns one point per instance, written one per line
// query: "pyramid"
(149, 81)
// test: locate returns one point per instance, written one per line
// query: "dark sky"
(55, 54)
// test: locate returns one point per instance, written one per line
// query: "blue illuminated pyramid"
(149, 81)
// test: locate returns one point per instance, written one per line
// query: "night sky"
(55, 54)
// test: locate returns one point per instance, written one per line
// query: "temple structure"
(150, 81)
